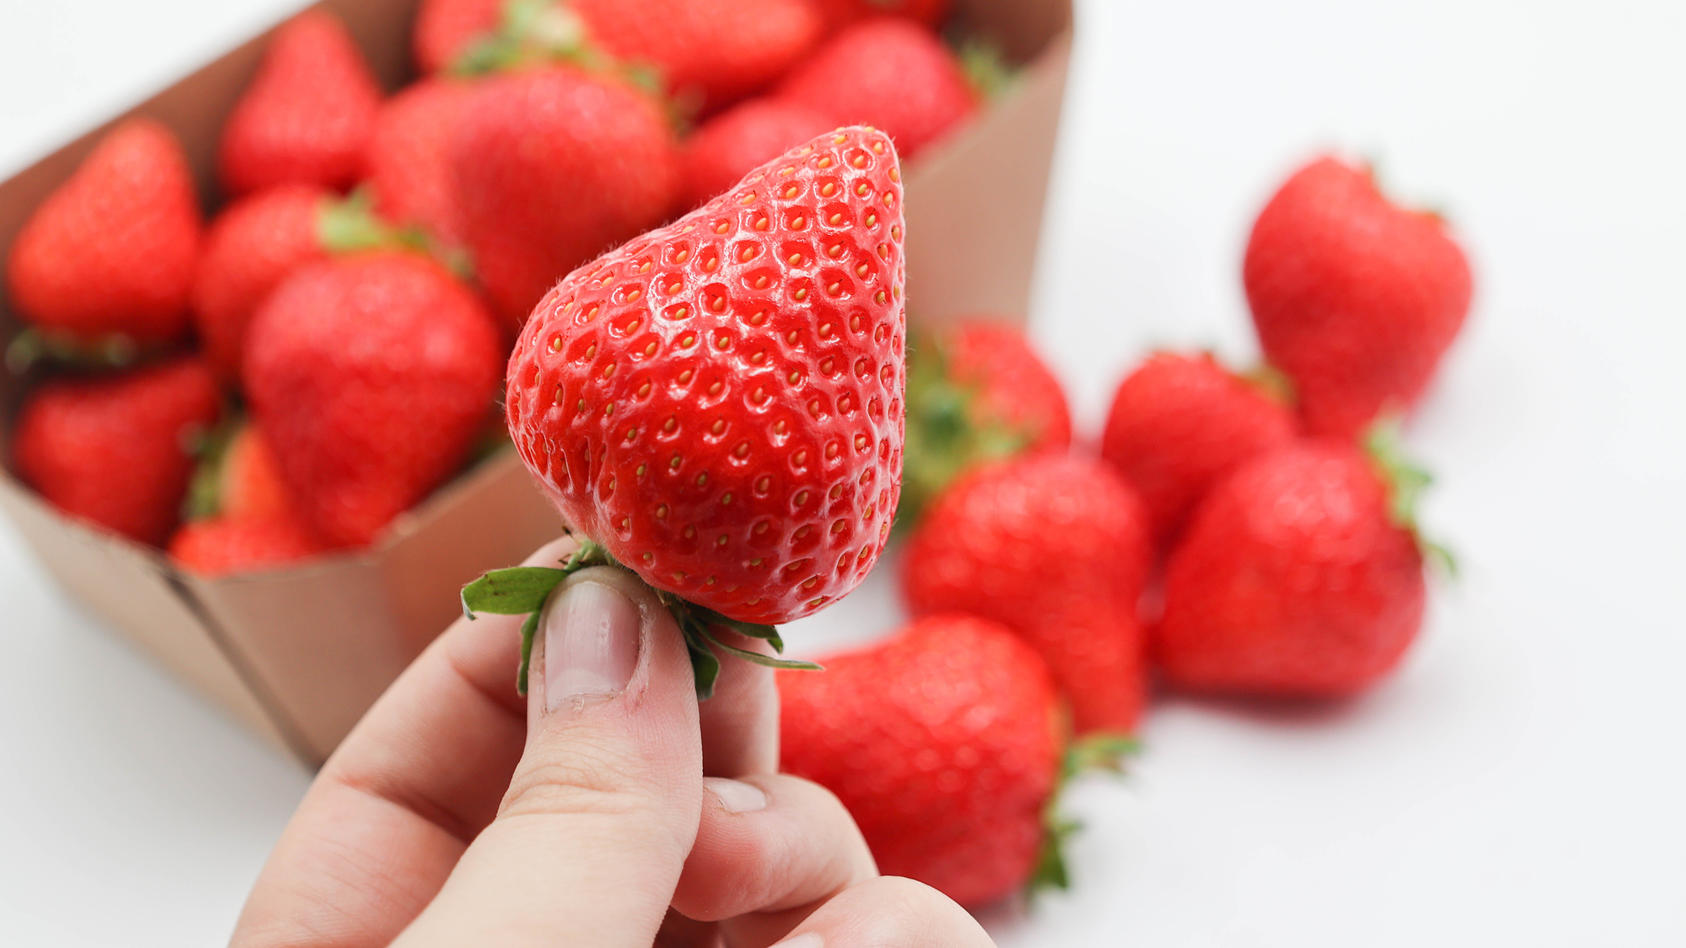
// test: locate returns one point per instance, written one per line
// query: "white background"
(1518, 782)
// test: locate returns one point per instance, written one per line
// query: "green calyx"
(985, 67)
(1271, 381)
(1097, 752)
(945, 434)
(33, 347)
(1406, 482)
(350, 225)
(548, 31)
(523, 590)
(204, 491)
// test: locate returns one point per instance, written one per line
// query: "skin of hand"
(606, 809)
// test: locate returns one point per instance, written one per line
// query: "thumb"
(603, 807)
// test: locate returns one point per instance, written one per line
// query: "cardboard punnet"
(298, 654)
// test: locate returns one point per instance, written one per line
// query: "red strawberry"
(736, 142)
(446, 29)
(111, 251)
(838, 13)
(1179, 423)
(976, 392)
(409, 157)
(228, 544)
(370, 376)
(305, 119)
(888, 73)
(1056, 548)
(944, 743)
(550, 167)
(709, 51)
(1355, 298)
(1294, 579)
(250, 481)
(116, 450)
(719, 402)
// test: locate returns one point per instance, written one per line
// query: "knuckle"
(580, 782)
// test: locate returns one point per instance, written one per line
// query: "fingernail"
(735, 796)
(806, 940)
(592, 634)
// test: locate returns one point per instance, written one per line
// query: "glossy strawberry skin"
(409, 162)
(227, 544)
(250, 248)
(112, 250)
(550, 166)
(1354, 298)
(1013, 387)
(1179, 423)
(370, 376)
(943, 742)
(735, 142)
(1292, 581)
(888, 73)
(306, 116)
(710, 51)
(719, 402)
(116, 450)
(838, 13)
(445, 29)
(1055, 547)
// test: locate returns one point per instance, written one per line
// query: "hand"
(456, 813)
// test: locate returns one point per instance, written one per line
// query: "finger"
(604, 805)
(769, 844)
(394, 807)
(740, 724)
(887, 912)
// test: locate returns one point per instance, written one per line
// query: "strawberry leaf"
(511, 592)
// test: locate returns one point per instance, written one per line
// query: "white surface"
(1519, 782)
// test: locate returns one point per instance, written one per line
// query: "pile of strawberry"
(289, 377)
(1240, 535)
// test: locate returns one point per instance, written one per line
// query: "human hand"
(458, 813)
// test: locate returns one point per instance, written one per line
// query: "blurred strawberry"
(370, 376)
(944, 742)
(732, 144)
(116, 450)
(551, 167)
(229, 544)
(838, 13)
(111, 251)
(446, 29)
(256, 243)
(1355, 298)
(306, 117)
(1299, 576)
(1056, 548)
(888, 73)
(1179, 423)
(409, 161)
(976, 392)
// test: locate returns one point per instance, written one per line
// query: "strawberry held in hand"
(718, 404)
(1056, 548)
(306, 117)
(945, 743)
(1300, 576)
(1355, 298)
(111, 252)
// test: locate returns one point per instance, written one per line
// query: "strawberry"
(409, 157)
(551, 166)
(1179, 423)
(1354, 297)
(944, 742)
(260, 240)
(447, 29)
(111, 251)
(1299, 576)
(718, 404)
(889, 73)
(370, 375)
(976, 392)
(229, 544)
(306, 116)
(239, 479)
(838, 13)
(735, 142)
(115, 450)
(1056, 548)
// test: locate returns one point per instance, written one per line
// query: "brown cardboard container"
(298, 654)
